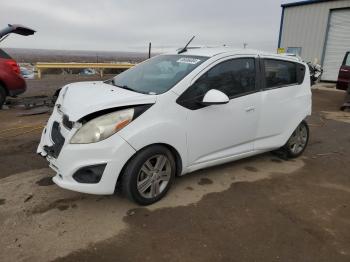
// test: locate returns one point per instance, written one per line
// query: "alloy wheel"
(298, 140)
(154, 176)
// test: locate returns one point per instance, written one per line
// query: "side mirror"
(215, 97)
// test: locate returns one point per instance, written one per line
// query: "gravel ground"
(259, 209)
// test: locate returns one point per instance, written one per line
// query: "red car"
(11, 81)
(344, 73)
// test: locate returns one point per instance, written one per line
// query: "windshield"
(157, 75)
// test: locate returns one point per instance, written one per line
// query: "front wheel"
(149, 175)
(297, 143)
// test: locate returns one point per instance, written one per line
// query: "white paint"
(245, 126)
(214, 96)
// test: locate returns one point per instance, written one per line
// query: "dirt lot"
(258, 209)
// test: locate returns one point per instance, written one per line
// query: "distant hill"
(42, 55)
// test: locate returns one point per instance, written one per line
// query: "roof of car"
(213, 51)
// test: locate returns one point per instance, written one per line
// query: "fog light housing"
(89, 174)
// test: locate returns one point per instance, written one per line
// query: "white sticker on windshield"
(188, 60)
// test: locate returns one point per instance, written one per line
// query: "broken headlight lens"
(103, 127)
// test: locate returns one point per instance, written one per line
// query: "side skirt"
(220, 161)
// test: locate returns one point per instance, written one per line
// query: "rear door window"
(280, 73)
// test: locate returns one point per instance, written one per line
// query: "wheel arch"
(293, 127)
(176, 154)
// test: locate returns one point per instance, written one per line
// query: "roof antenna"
(182, 50)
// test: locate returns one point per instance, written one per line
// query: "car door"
(217, 132)
(282, 100)
(344, 73)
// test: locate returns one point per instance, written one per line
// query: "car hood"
(80, 99)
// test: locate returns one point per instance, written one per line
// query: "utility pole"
(149, 49)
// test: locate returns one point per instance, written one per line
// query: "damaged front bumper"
(70, 161)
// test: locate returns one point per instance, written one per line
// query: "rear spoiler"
(15, 29)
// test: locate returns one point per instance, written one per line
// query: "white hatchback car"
(173, 114)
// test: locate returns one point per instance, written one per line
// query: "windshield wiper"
(121, 86)
(127, 87)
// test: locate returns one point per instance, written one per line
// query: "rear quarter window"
(4, 55)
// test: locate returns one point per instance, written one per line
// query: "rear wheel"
(298, 141)
(149, 175)
(2, 96)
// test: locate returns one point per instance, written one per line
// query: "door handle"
(250, 109)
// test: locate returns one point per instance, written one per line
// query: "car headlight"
(103, 127)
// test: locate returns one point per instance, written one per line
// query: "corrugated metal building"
(318, 31)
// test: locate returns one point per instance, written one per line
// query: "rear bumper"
(113, 152)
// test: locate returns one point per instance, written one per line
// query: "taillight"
(13, 65)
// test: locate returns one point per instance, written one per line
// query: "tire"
(2, 96)
(298, 141)
(149, 175)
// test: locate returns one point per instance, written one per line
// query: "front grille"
(65, 121)
(58, 141)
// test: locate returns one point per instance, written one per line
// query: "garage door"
(337, 43)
